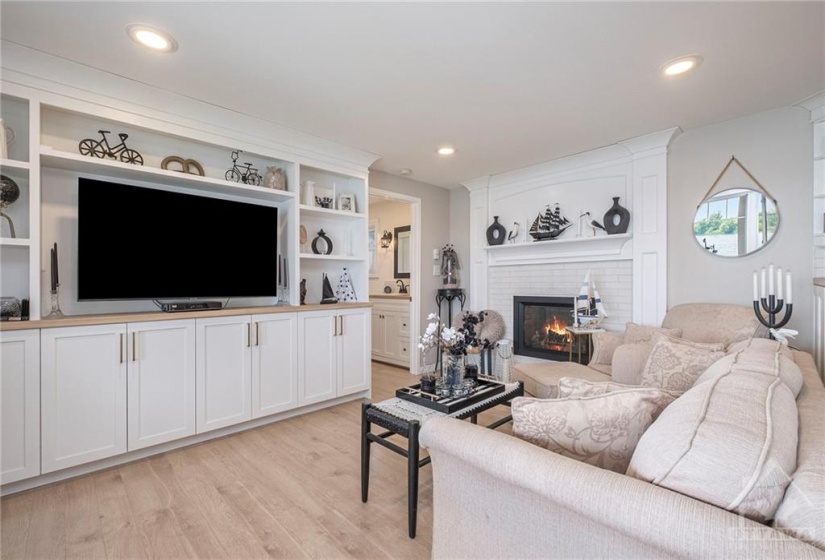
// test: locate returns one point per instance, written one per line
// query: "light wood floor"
(287, 490)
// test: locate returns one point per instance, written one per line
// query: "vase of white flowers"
(450, 342)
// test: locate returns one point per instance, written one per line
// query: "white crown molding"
(651, 144)
(52, 75)
(478, 184)
(816, 105)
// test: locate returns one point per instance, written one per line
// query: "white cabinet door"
(83, 394)
(161, 382)
(224, 372)
(274, 363)
(19, 405)
(378, 333)
(353, 351)
(317, 359)
(391, 343)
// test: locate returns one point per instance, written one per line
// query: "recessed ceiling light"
(445, 151)
(153, 39)
(681, 65)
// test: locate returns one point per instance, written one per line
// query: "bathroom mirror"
(735, 222)
(402, 252)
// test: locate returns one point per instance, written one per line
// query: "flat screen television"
(146, 243)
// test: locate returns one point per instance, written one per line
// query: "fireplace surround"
(539, 324)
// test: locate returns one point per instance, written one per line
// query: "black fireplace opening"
(539, 326)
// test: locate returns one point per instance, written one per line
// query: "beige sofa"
(697, 322)
(496, 496)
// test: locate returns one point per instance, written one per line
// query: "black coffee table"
(372, 414)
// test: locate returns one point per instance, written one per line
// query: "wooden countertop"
(143, 316)
(819, 282)
(397, 297)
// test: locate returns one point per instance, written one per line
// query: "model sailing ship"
(549, 225)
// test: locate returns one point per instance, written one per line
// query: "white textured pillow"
(600, 430)
(643, 333)
(604, 344)
(731, 439)
(675, 364)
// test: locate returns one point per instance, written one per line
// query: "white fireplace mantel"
(576, 249)
(634, 170)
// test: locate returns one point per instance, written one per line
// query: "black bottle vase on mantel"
(611, 224)
(496, 233)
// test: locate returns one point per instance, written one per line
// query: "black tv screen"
(144, 243)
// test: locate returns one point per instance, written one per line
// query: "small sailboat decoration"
(549, 225)
(327, 295)
(589, 310)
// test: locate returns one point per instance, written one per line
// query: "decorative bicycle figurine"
(248, 174)
(101, 149)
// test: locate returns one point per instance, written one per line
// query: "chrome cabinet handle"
(248, 335)
(120, 350)
(341, 318)
(257, 334)
(134, 346)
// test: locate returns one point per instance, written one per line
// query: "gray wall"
(777, 148)
(460, 228)
(435, 228)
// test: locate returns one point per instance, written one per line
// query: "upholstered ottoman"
(542, 380)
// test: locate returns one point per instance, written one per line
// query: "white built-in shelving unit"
(45, 162)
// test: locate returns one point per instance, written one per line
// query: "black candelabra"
(772, 302)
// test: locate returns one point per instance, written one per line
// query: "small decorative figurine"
(189, 166)
(513, 236)
(9, 193)
(101, 148)
(247, 175)
(275, 178)
(303, 291)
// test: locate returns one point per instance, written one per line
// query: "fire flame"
(557, 326)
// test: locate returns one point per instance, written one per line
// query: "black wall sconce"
(386, 240)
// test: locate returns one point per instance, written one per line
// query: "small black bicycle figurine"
(101, 148)
(248, 174)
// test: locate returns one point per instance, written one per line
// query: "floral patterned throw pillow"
(600, 430)
(675, 364)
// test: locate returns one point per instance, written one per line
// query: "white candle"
(764, 282)
(755, 286)
(771, 287)
(788, 282)
(779, 283)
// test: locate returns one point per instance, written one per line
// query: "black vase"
(496, 232)
(624, 218)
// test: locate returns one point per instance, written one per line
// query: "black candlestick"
(772, 307)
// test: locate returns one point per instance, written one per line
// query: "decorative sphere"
(9, 191)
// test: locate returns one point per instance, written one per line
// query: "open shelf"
(15, 163)
(14, 242)
(313, 256)
(317, 212)
(119, 170)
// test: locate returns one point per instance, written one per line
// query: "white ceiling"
(509, 85)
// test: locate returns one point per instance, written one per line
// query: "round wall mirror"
(735, 223)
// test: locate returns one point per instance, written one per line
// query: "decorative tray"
(486, 388)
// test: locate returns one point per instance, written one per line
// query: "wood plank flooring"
(287, 490)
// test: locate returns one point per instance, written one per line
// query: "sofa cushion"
(600, 430)
(675, 364)
(604, 344)
(714, 322)
(628, 362)
(730, 440)
(801, 513)
(643, 333)
(541, 379)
